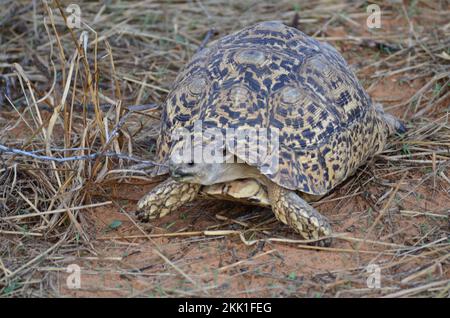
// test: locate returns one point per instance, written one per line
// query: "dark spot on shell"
(308, 134)
(254, 85)
(312, 108)
(344, 99)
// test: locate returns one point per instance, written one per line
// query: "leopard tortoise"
(275, 77)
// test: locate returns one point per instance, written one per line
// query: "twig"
(5, 149)
(23, 216)
(27, 265)
(416, 290)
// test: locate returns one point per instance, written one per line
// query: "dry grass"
(78, 120)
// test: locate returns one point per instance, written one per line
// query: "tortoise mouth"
(179, 174)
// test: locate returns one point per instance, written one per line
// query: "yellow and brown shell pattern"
(271, 76)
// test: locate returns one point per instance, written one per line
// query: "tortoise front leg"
(292, 210)
(166, 197)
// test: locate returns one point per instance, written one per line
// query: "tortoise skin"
(272, 76)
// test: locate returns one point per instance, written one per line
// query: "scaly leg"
(292, 210)
(166, 197)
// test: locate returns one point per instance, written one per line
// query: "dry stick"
(161, 255)
(411, 28)
(22, 118)
(444, 291)
(336, 199)
(55, 73)
(176, 268)
(32, 206)
(220, 217)
(426, 271)
(75, 223)
(41, 124)
(421, 91)
(90, 80)
(23, 76)
(443, 176)
(176, 234)
(423, 255)
(20, 233)
(416, 289)
(383, 211)
(27, 265)
(223, 268)
(421, 112)
(29, 139)
(191, 292)
(342, 237)
(6, 149)
(58, 42)
(355, 239)
(24, 216)
(127, 78)
(417, 213)
(252, 242)
(421, 247)
(205, 41)
(58, 108)
(309, 247)
(56, 114)
(5, 270)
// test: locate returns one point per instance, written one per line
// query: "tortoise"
(274, 77)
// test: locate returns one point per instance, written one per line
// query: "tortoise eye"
(197, 85)
(290, 95)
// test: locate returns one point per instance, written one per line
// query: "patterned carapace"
(273, 76)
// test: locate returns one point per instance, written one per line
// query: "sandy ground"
(215, 248)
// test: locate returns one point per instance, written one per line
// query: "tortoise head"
(392, 123)
(208, 165)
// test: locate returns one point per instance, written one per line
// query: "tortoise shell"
(272, 76)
